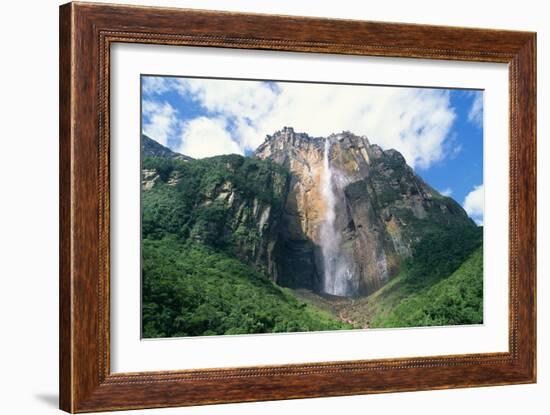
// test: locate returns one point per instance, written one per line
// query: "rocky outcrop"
(249, 220)
(381, 209)
(229, 202)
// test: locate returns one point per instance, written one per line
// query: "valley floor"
(339, 307)
(454, 299)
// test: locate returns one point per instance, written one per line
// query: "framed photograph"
(258, 207)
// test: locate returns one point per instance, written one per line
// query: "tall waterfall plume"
(336, 272)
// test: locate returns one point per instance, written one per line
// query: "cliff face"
(230, 203)
(352, 209)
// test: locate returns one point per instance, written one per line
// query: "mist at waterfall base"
(337, 276)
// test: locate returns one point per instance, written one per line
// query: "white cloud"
(446, 192)
(475, 115)
(245, 99)
(473, 204)
(160, 120)
(205, 137)
(414, 121)
(155, 84)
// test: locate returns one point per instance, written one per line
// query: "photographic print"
(278, 206)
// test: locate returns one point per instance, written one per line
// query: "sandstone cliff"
(381, 208)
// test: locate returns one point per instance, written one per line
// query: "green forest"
(191, 290)
(442, 284)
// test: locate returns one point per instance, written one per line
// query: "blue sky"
(438, 131)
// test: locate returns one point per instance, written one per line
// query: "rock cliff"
(376, 206)
(231, 203)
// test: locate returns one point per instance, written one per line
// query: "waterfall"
(336, 272)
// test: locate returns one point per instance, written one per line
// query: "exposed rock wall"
(228, 202)
(382, 207)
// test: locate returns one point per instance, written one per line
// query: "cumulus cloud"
(414, 121)
(475, 115)
(446, 192)
(245, 99)
(205, 137)
(160, 120)
(473, 204)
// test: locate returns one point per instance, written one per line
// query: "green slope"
(216, 201)
(192, 290)
(457, 299)
(442, 284)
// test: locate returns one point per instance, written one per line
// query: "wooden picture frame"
(86, 33)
